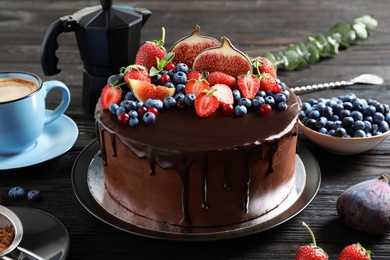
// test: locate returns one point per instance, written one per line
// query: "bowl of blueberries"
(346, 124)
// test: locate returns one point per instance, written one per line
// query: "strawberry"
(355, 252)
(264, 65)
(196, 86)
(224, 94)
(267, 82)
(135, 72)
(249, 85)
(150, 51)
(311, 251)
(206, 103)
(222, 78)
(193, 74)
(111, 94)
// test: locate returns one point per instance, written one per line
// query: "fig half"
(225, 58)
(366, 206)
(188, 47)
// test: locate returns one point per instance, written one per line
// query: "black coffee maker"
(108, 38)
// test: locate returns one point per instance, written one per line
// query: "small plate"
(56, 139)
(88, 186)
(43, 234)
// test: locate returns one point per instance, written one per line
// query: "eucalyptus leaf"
(360, 30)
(369, 21)
(314, 54)
(293, 59)
(333, 45)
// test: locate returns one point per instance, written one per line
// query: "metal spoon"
(362, 79)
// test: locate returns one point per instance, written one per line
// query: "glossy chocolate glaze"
(179, 139)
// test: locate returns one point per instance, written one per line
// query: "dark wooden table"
(254, 27)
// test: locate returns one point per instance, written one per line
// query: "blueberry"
(279, 97)
(348, 121)
(383, 127)
(113, 108)
(240, 110)
(133, 113)
(149, 118)
(261, 93)
(182, 67)
(169, 102)
(245, 102)
(130, 104)
(320, 122)
(189, 99)
(156, 79)
(179, 96)
(314, 114)
(282, 106)
(359, 133)
(270, 100)
(179, 77)
(310, 123)
(33, 195)
(116, 78)
(129, 96)
(327, 112)
(180, 88)
(236, 95)
(169, 84)
(358, 125)
(16, 193)
(369, 111)
(356, 115)
(120, 110)
(340, 132)
(257, 101)
(378, 117)
(348, 105)
(134, 121)
(367, 126)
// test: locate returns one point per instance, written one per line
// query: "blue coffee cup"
(23, 109)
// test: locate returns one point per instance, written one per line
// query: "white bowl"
(343, 146)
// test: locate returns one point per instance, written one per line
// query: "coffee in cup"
(23, 109)
(15, 88)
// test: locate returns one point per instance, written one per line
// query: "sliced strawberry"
(267, 82)
(111, 94)
(249, 85)
(224, 94)
(196, 86)
(135, 72)
(206, 103)
(217, 77)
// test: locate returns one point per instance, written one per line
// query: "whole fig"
(366, 206)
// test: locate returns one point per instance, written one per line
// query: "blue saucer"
(56, 139)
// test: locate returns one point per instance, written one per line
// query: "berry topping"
(224, 94)
(196, 86)
(217, 77)
(206, 103)
(135, 72)
(111, 94)
(149, 52)
(249, 85)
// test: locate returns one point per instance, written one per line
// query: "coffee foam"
(15, 88)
